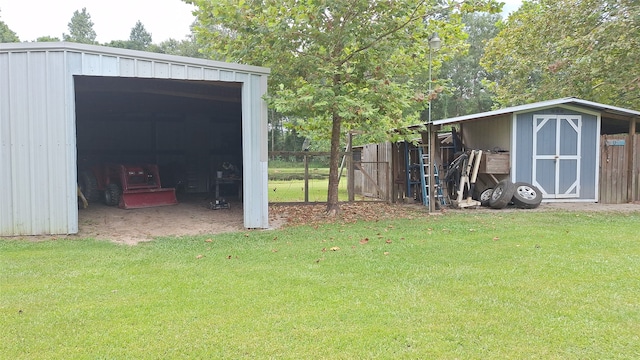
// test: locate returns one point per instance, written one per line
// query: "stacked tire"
(89, 185)
(523, 195)
(526, 196)
(502, 194)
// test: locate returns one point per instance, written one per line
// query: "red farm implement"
(128, 186)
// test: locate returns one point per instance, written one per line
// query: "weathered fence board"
(373, 172)
(614, 169)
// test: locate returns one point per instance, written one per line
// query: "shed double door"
(556, 155)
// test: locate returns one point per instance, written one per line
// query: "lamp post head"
(434, 42)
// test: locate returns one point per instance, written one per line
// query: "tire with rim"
(485, 196)
(112, 194)
(526, 196)
(89, 186)
(502, 194)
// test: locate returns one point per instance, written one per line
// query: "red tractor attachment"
(131, 186)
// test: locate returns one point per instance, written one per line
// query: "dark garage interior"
(190, 129)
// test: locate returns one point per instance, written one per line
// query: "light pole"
(434, 44)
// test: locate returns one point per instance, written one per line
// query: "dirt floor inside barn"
(193, 217)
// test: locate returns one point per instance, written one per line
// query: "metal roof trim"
(99, 49)
(537, 105)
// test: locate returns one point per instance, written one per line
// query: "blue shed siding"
(523, 161)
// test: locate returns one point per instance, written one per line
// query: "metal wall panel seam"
(51, 194)
(2, 141)
(261, 88)
(514, 147)
(30, 143)
(12, 144)
(6, 207)
(597, 172)
(70, 159)
(247, 158)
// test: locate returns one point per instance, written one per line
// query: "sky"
(112, 19)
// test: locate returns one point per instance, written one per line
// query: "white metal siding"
(37, 127)
(38, 150)
(254, 150)
(6, 195)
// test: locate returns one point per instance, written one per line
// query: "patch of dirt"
(191, 216)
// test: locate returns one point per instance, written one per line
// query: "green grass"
(286, 184)
(293, 190)
(491, 285)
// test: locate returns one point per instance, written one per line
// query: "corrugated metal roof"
(105, 50)
(539, 105)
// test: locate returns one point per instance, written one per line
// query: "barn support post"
(306, 178)
(395, 173)
(632, 179)
(350, 166)
(389, 178)
(431, 142)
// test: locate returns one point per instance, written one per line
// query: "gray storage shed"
(62, 104)
(557, 145)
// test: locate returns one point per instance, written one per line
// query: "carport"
(66, 106)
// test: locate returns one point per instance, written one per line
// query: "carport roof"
(540, 105)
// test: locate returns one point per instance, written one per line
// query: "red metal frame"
(140, 184)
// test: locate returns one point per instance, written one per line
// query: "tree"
(47, 39)
(121, 44)
(80, 28)
(465, 91)
(139, 38)
(187, 47)
(556, 48)
(7, 35)
(340, 65)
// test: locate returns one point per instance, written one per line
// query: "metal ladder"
(424, 179)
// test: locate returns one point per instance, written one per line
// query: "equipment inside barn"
(219, 204)
(128, 186)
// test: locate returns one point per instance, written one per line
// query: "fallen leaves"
(315, 214)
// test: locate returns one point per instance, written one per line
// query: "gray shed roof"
(539, 105)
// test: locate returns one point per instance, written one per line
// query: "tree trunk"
(333, 208)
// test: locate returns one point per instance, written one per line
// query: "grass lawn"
(293, 190)
(286, 184)
(485, 285)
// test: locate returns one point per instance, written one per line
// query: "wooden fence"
(619, 183)
(366, 172)
(372, 172)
